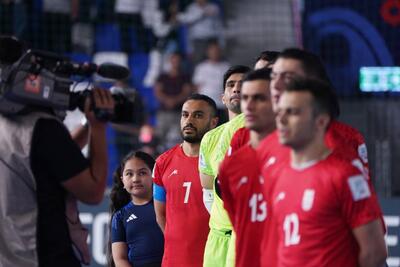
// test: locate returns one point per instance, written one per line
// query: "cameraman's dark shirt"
(55, 158)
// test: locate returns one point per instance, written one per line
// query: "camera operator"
(40, 164)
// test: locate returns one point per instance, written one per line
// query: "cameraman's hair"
(323, 95)
(260, 74)
(119, 197)
(206, 99)
(270, 56)
(313, 68)
(233, 70)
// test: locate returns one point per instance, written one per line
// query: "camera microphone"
(106, 70)
(113, 71)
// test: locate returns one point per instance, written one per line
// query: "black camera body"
(21, 87)
(40, 79)
(128, 108)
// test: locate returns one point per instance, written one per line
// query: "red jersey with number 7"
(186, 228)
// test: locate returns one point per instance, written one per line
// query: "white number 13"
(258, 208)
(187, 193)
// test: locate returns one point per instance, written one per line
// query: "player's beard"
(196, 138)
(234, 106)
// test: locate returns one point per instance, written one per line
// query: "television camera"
(36, 79)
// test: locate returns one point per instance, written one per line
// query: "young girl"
(135, 235)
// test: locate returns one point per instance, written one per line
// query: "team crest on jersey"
(308, 199)
(363, 153)
(359, 187)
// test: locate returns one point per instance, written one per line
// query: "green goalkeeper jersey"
(213, 148)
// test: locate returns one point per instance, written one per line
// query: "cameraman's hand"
(88, 186)
(103, 100)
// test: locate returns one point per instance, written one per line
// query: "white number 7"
(187, 185)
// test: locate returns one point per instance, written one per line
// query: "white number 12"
(291, 228)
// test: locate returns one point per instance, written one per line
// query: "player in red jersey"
(239, 139)
(178, 196)
(322, 208)
(298, 63)
(240, 181)
(351, 148)
(266, 59)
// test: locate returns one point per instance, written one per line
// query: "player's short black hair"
(269, 56)
(233, 70)
(310, 63)
(260, 74)
(322, 92)
(312, 67)
(207, 99)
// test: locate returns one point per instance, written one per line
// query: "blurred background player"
(207, 77)
(204, 22)
(57, 22)
(135, 236)
(322, 208)
(239, 174)
(212, 150)
(177, 191)
(171, 90)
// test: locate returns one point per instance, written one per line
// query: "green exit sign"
(380, 79)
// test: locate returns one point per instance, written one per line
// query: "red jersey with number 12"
(314, 210)
(186, 228)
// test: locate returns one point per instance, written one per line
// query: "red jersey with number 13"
(242, 191)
